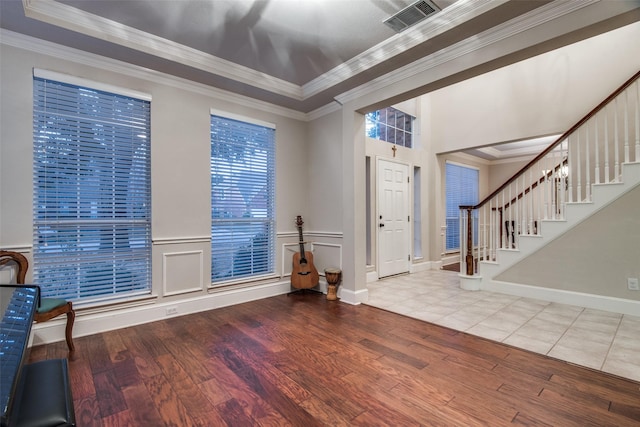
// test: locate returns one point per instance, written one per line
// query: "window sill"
(120, 303)
(243, 283)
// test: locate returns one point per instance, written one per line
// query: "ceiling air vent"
(411, 15)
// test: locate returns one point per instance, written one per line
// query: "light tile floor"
(601, 340)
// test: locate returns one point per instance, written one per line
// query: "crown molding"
(77, 56)
(513, 153)
(472, 158)
(429, 28)
(74, 19)
(516, 26)
(461, 157)
(323, 111)
(511, 160)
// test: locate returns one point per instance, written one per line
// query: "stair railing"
(590, 153)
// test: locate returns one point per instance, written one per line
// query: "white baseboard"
(422, 266)
(353, 297)
(450, 259)
(94, 323)
(597, 302)
(372, 276)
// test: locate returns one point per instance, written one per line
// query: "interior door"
(393, 218)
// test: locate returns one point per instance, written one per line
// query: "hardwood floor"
(304, 361)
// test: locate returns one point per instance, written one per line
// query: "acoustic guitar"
(304, 274)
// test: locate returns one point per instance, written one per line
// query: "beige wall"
(595, 257)
(180, 150)
(500, 172)
(324, 184)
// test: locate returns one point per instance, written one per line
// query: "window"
(92, 215)
(461, 189)
(391, 125)
(417, 212)
(242, 199)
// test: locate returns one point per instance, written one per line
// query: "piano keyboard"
(17, 305)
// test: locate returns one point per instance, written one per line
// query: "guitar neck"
(301, 242)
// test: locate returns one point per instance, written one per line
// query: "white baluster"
(616, 155)
(587, 166)
(510, 217)
(539, 192)
(564, 176)
(496, 229)
(463, 241)
(578, 164)
(570, 150)
(484, 232)
(607, 177)
(554, 200)
(504, 217)
(626, 126)
(491, 230)
(596, 148)
(530, 203)
(556, 174)
(545, 190)
(523, 205)
(637, 153)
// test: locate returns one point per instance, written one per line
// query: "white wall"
(540, 96)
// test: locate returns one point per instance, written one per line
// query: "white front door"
(393, 218)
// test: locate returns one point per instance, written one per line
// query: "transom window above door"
(390, 125)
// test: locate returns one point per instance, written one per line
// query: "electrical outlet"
(632, 284)
(171, 311)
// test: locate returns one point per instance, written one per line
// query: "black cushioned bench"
(43, 396)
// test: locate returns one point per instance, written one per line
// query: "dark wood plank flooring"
(301, 360)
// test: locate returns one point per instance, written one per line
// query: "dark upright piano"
(36, 394)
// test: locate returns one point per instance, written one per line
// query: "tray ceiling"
(295, 54)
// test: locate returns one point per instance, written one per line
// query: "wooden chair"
(49, 307)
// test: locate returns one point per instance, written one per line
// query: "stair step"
(603, 194)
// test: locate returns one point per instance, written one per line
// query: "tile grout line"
(521, 326)
(613, 338)
(565, 331)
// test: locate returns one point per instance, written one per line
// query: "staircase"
(589, 167)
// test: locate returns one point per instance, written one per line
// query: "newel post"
(469, 257)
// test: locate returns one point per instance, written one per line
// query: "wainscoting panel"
(288, 249)
(327, 255)
(7, 274)
(9, 271)
(324, 255)
(182, 272)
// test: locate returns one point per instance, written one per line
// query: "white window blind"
(461, 185)
(242, 199)
(92, 207)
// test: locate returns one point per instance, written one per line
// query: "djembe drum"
(333, 278)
